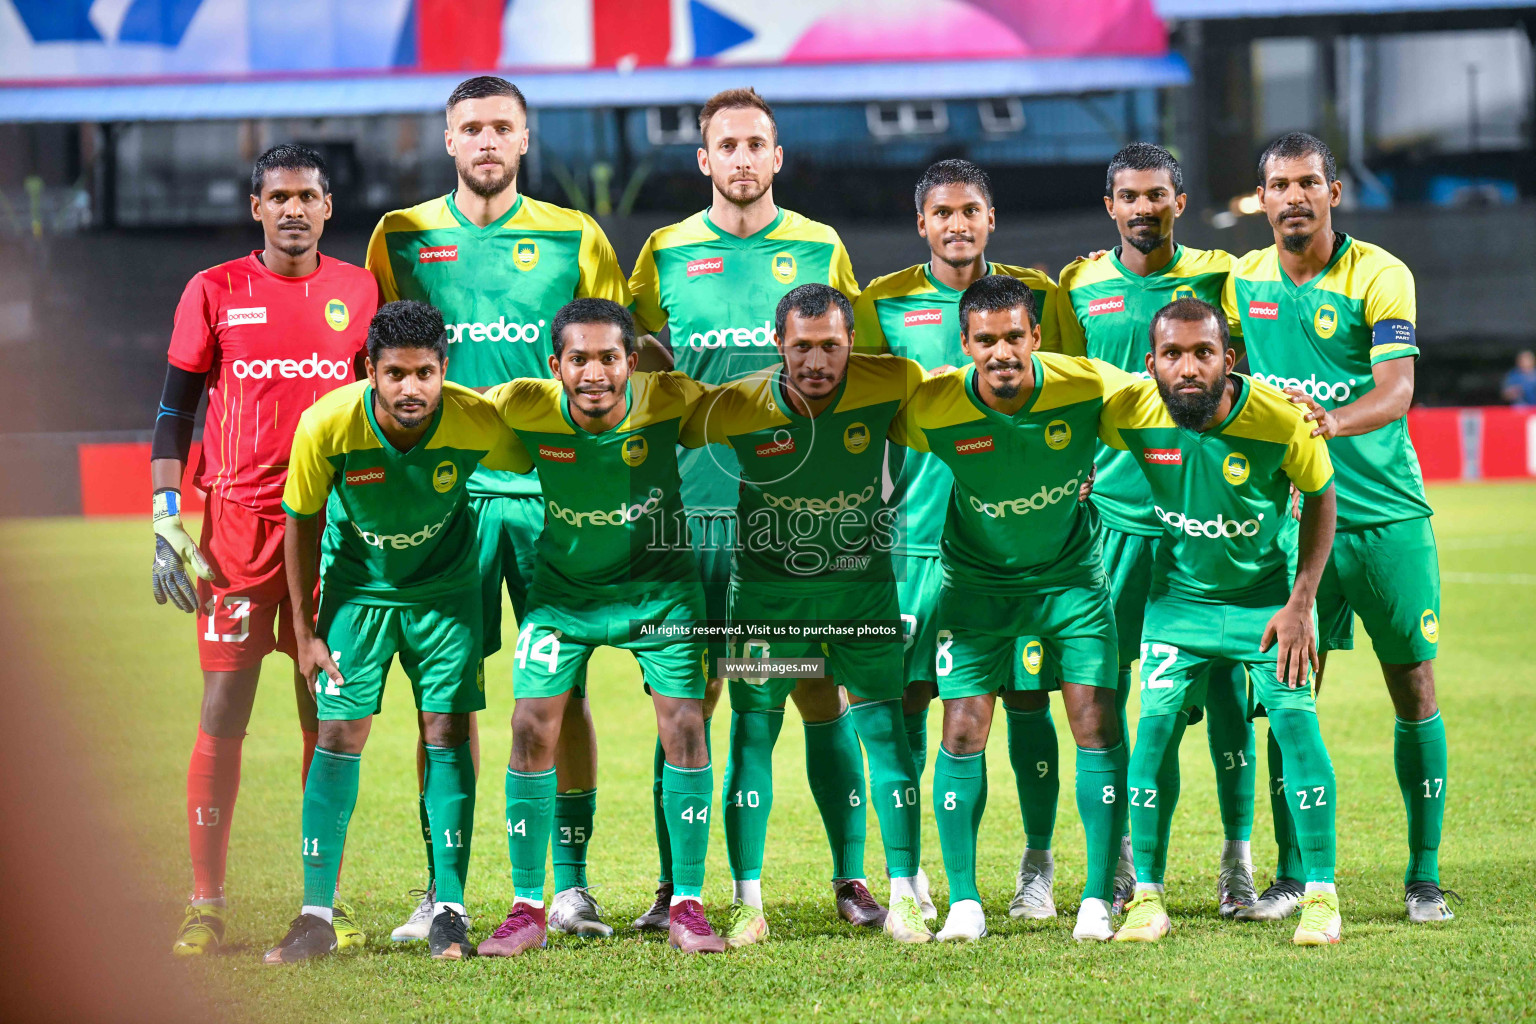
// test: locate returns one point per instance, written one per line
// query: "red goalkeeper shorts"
(243, 613)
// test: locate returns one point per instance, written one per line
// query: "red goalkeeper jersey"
(270, 346)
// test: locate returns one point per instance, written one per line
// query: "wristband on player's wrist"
(166, 503)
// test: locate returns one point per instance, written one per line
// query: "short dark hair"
(1190, 311)
(1298, 144)
(1144, 156)
(993, 294)
(812, 300)
(592, 311)
(734, 99)
(407, 324)
(952, 172)
(289, 157)
(482, 86)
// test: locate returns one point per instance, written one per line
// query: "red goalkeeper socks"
(213, 780)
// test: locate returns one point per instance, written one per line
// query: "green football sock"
(1123, 698)
(1418, 751)
(748, 791)
(687, 794)
(530, 814)
(1287, 852)
(1034, 754)
(426, 834)
(959, 800)
(834, 767)
(449, 793)
(892, 786)
(572, 832)
(1101, 803)
(330, 794)
(917, 740)
(1153, 780)
(1230, 735)
(1310, 789)
(659, 816)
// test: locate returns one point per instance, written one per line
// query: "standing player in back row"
(715, 280)
(913, 313)
(499, 265)
(265, 336)
(1106, 305)
(1331, 319)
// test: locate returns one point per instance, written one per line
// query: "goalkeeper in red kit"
(264, 336)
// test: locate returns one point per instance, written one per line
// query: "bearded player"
(1331, 319)
(500, 265)
(265, 336)
(914, 313)
(715, 280)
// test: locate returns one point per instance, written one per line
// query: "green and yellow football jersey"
(1105, 313)
(1222, 495)
(1324, 337)
(498, 287)
(811, 505)
(911, 313)
(1014, 523)
(613, 507)
(396, 530)
(719, 294)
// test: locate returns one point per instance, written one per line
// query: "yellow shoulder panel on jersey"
(691, 231)
(739, 407)
(939, 401)
(873, 379)
(1267, 415)
(912, 281)
(1194, 262)
(531, 403)
(659, 397)
(433, 213)
(338, 421)
(468, 420)
(1378, 279)
(1035, 279)
(1082, 272)
(796, 228)
(535, 215)
(1068, 381)
(1257, 265)
(1134, 407)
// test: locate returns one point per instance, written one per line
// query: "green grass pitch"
(1479, 967)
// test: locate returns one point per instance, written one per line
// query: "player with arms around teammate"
(1106, 306)
(265, 335)
(1230, 582)
(913, 313)
(1331, 319)
(387, 459)
(715, 280)
(1020, 558)
(500, 265)
(614, 553)
(816, 537)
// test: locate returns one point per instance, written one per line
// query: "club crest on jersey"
(778, 446)
(557, 454)
(920, 317)
(336, 315)
(1183, 291)
(1163, 456)
(525, 254)
(1325, 321)
(1112, 304)
(444, 477)
(358, 477)
(856, 438)
(438, 254)
(784, 268)
(634, 450)
(1264, 311)
(1429, 625)
(712, 265)
(1234, 468)
(1032, 657)
(1058, 434)
(974, 445)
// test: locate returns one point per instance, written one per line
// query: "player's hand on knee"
(1290, 631)
(177, 559)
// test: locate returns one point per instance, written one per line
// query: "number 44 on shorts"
(546, 649)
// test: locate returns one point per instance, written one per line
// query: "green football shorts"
(439, 645)
(1181, 640)
(1390, 576)
(869, 669)
(507, 532)
(979, 633)
(918, 580)
(714, 539)
(562, 629)
(1128, 562)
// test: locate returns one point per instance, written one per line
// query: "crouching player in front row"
(1221, 452)
(613, 562)
(387, 459)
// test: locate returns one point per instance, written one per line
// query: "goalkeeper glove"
(175, 555)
